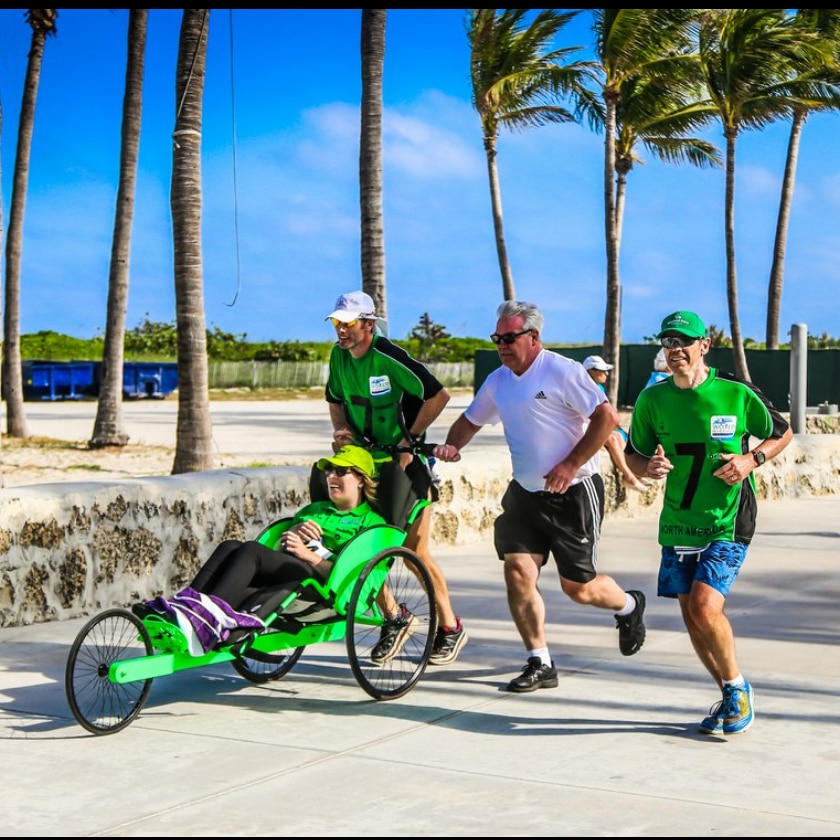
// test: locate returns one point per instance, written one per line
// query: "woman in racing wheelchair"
(206, 610)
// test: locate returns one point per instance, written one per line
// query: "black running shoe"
(447, 646)
(534, 675)
(631, 628)
(393, 635)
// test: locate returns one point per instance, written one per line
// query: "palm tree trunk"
(777, 271)
(612, 326)
(42, 22)
(109, 426)
(738, 355)
(194, 438)
(498, 226)
(370, 159)
(2, 375)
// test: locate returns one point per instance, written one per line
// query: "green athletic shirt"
(695, 427)
(339, 526)
(379, 388)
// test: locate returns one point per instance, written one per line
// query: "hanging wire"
(235, 188)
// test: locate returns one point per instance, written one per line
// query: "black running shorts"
(566, 524)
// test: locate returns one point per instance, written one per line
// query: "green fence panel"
(769, 370)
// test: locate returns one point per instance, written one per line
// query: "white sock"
(542, 653)
(629, 605)
(738, 681)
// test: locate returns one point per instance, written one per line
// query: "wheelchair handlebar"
(415, 448)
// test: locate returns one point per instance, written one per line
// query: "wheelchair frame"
(114, 658)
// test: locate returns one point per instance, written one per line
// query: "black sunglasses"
(339, 471)
(670, 342)
(507, 338)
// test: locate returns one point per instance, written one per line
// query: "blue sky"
(281, 125)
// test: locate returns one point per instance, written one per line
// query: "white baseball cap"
(352, 306)
(596, 363)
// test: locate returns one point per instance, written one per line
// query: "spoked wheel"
(258, 671)
(405, 591)
(100, 705)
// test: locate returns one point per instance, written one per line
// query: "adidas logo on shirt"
(540, 395)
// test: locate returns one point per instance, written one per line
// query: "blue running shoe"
(712, 724)
(737, 708)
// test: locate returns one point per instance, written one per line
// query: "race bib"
(379, 386)
(723, 426)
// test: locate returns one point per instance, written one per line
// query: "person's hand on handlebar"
(447, 452)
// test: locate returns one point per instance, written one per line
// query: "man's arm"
(429, 412)
(460, 434)
(342, 433)
(602, 423)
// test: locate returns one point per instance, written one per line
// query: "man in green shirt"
(694, 429)
(379, 397)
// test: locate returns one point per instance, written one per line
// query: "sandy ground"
(45, 460)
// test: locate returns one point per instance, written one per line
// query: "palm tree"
(640, 51)
(42, 22)
(108, 428)
(194, 437)
(826, 23)
(657, 115)
(518, 81)
(2, 479)
(752, 62)
(370, 159)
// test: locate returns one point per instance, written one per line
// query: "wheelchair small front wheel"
(100, 705)
(391, 622)
(258, 671)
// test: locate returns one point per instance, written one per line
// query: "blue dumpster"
(149, 380)
(58, 380)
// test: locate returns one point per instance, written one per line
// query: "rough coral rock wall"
(74, 549)
(68, 550)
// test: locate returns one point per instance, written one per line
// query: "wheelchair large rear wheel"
(400, 572)
(258, 671)
(100, 705)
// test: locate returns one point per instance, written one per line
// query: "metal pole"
(798, 377)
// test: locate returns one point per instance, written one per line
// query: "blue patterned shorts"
(717, 565)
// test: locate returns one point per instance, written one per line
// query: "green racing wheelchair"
(116, 656)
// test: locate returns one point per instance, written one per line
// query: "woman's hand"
(308, 530)
(292, 542)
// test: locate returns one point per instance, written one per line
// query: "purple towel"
(206, 620)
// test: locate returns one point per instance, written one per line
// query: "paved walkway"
(614, 751)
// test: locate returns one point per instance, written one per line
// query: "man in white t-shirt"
(555, 421)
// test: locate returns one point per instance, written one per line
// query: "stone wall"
(74, 549)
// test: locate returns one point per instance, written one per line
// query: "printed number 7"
(697, 452)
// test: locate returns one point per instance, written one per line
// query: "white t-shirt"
(544, 412)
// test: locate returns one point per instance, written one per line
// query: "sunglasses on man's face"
(507, 338)
(339, 471)
(671, 342)
(337, 323)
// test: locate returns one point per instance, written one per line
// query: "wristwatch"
(759, 457)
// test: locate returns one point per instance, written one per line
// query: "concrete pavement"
(613, 751)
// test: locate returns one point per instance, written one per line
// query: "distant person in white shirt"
(599, 370)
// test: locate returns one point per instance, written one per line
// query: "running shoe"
(712, 724)
(738, 711)
(534, 675)
(393, 635)
(447, 645)
(631, 628)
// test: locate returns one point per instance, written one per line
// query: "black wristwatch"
(759, 457)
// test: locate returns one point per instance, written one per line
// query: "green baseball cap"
(350, 456)
(687, 323)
